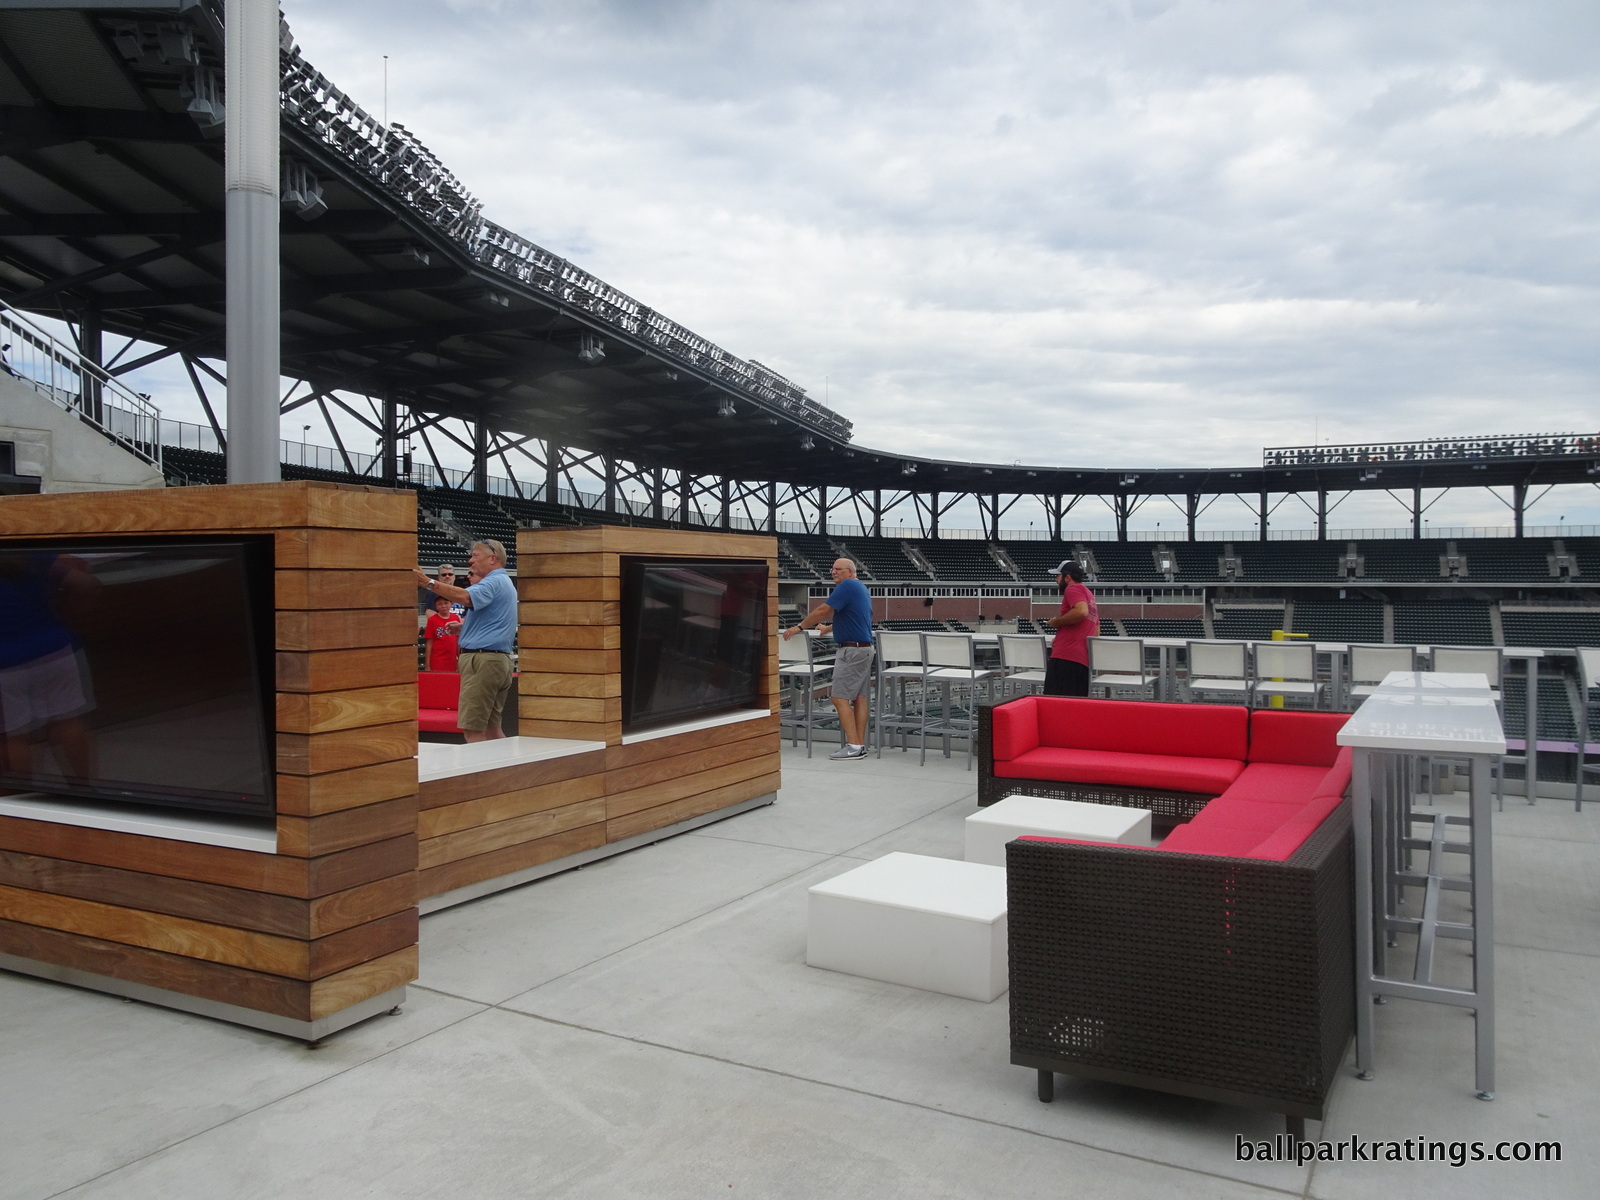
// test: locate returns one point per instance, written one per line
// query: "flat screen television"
(139, 670)
(694, 638)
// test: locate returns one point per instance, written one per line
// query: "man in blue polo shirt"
(850, 608)
(488, 636)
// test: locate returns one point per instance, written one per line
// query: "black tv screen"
(694, 638)
(139, 670)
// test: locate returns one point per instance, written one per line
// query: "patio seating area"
(647, 1025)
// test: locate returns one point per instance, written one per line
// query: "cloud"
(1118, 232)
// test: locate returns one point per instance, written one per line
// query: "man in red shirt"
(1067, 672)
(442, 636)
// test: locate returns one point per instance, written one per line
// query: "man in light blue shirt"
(488, 636)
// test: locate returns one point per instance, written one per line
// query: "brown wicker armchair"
(1228, 979)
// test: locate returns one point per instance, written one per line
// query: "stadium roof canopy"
(394, 284)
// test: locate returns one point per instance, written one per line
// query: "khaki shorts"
(485, 684)
(852, 672)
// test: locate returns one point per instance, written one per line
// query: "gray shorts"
(852, 671)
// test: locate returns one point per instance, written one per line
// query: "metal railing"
(63, 376)
(393, 158)
(1518, 445)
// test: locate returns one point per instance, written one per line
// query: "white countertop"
(440, 760)
(1436, 683)
(1426, 723)
(258, 835)
(728, 718)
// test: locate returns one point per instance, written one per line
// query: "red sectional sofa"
(438, 697)
(1219, 965)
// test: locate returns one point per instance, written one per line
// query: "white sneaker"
(848, 752)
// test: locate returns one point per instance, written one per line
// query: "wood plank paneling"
(346, 629)
(344, 670)
(439, 792)
(595, 587)
(620, 804)
(346, 749)
(313, 795)
(362, 982)
(569, 708)
(312, 837)
(563, 683)
(697, 805)
(190, 976)
(433, 822)
(541, 564)
(365, 864)
(325, 712)
(583, 662)
(569, 612)
(158, 856)
(358, 905)
(587, 731)
(185, 936)
(362, 943)
(618, 757)
(347, 506)
(569, 637)
(246, 509)
(483, 838)
(344, 549)
(678, 766)
(467, 871)
(318, 590)
(238, 907)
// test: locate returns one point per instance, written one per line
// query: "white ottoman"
(989, 829)
(931, 923)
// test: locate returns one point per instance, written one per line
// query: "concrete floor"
(647, 1026)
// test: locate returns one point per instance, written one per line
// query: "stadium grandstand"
(406, 310)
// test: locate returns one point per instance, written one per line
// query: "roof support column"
(250, 178)
(725, 502)
(91, 348)
(822, 509)
(552, 472)
(1519, 505)
(480, 454)
(1322, 514)
(994, 518)
(1057, 512)
(658, 486)
(1265, 513)
(1416, 512)
(877, 513)
(609, 465)
(1191, 512)
(683, 498)
(933, 516)
(1123, 507)
(388, 438)
(772, 507)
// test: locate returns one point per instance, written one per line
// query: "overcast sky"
(1125, 233)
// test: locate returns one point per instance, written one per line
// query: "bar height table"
(1415, 714)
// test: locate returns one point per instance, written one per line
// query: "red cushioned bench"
(1219, 965)
(438, 698)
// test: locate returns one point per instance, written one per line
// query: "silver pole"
(252, 239)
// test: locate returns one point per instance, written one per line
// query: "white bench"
(989, 829)
(930, 923)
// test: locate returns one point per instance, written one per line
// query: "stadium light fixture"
(806, 443)
(725, 407)
(591, 349)
(909, 469)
